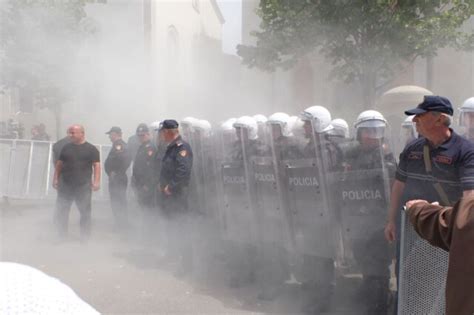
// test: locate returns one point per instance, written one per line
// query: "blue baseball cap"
(432, 103)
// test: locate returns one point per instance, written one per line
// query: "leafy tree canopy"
(364, 40)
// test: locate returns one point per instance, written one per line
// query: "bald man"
(76, 175)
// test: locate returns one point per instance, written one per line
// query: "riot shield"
(269, 201)
(311, 219)
(362, 197)
(240, 217)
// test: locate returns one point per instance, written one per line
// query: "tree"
(367, 42)
(39, 40)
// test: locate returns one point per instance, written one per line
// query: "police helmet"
(228, 125)
(260, 119)
(282, 120)
(296, 126)
(155, 125)
(408, 131)
(319, 117)
(340, 128)
(248, 123)
(204, 126)
(371, 119)
(467, 107)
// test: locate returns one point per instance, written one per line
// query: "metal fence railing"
(26, 169)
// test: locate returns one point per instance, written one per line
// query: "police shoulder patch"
(183, 153)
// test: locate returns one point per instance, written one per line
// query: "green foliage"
(39, 40)
(360, 38)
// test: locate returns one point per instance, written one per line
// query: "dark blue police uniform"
(175, 174)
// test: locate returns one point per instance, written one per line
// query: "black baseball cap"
(114, 129)
(142, 128)
(169, 124)
(432, 103)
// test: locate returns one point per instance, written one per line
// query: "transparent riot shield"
(311, 219)
(271, 206)
(241, 233)
(361, 193)
(362, 197)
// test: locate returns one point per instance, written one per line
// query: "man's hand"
(95, 186)
(167, 190)
(55, 183)
(390, 232)
(410, 203)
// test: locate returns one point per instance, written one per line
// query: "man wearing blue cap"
(437, 167)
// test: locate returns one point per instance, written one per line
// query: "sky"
(232, 30)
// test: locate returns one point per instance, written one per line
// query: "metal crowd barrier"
(422, 274)
(26, 169)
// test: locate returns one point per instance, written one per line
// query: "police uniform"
(176, 168)
(143, 180)
(116, 166)
(255, 148)
(332, 152)
(287, 148)
(175, 174)
(133, 141)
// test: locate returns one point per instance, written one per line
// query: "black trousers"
(118, 198)
(67, 194)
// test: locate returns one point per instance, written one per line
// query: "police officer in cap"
(142, 174)
(116, 166)
(175, 174)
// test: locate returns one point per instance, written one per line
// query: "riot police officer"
(143, 180)
(116, 166)
(466, 118)
(282, 138)
(318, 265)
(175, 175)
(408, 131)
(371, 153)
(134, 142)
(246, 131)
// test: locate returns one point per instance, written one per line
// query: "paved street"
(115, 275)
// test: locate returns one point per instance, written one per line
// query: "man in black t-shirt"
(73, 180)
